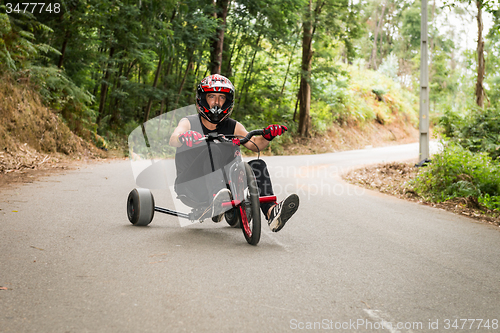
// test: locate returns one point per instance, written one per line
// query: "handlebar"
(222, 138)
(211, 137)
(250, 134)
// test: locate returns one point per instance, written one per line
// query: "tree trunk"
(63, 50)
(250, 71)
(67, 33)
(226, 67)
(373, 56)
(155, 83)
(221, 9)
(309, 28)
(305, 87)
(181, 87)
(296, 105)
(132, 64)
(104, 87)
(288, 68)
(240, 46)
(480, 56)
(166, 100)
(229, 67)
(115, 105)
(244, 86)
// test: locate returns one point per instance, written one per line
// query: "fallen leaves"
(392, 178)
(23, 159)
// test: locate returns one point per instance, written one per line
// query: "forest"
(104, 67)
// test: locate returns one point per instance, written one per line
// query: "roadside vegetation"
(469, 165)
(464, 177)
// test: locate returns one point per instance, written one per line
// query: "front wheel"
(249, 210)
(140, 206)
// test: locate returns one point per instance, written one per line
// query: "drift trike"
(242, 208)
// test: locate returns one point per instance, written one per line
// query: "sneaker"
(282, 212)
(217, 210)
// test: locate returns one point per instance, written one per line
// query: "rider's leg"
(277, 214)
(264, 184)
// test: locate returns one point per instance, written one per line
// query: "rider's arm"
(184, 125)
(258, 140)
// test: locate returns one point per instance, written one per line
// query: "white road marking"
(377, 315)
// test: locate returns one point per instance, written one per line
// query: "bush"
(459, 173)
(478, 130)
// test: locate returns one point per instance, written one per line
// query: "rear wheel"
(249, 210)
(232, 217)
(140, 206)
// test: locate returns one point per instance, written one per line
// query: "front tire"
(249, 211)
(140, 207)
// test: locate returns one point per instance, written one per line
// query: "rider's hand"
(272, 131)
(190, 138)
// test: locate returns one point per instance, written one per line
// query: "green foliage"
(477, 130)
(18, 48)
(411, 26)
(56, 88)
(62, 95)
(459, 173)
(376, 96)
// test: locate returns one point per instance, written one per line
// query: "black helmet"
(217, 84)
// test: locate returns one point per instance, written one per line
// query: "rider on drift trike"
(214, 103)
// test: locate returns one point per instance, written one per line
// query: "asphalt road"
(350, 260)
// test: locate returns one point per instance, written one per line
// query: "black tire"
(233, 218)
(140, 206)
(250, 209)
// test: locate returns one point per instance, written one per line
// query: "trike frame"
(244, 205)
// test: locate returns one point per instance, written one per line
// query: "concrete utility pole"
(424, 87)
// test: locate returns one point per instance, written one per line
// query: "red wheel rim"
(244, 221)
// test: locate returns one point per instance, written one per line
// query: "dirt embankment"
(33, 138)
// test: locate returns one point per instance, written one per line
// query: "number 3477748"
(33, 7)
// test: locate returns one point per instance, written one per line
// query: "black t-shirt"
(226, 127)
(185, 156)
